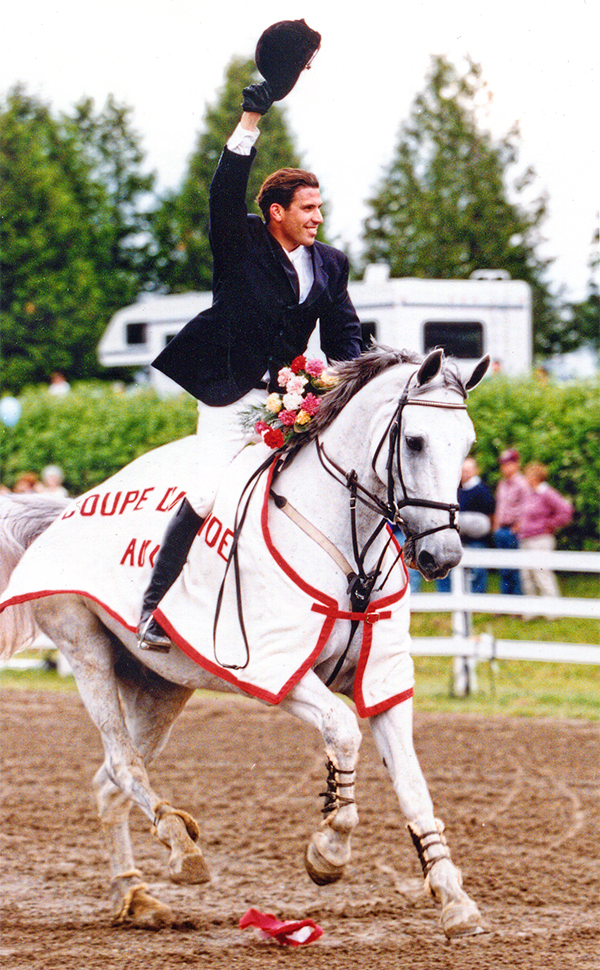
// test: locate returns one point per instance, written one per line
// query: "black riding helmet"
(283, 51)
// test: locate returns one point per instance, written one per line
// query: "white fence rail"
(468, 648)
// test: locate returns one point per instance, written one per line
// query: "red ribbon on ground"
(288, 933)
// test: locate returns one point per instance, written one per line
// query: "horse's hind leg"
(151, 705)
(149, 717)
(392, 731)
(329, 849)
(123, 777)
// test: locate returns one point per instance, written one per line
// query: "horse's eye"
(414, 444)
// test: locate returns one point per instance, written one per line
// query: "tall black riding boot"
(170, 560)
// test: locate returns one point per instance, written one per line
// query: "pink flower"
(273, 438)
(311, 404)
(261, 426)
(285, 374)
(287, 417)
(296, 385)
(314, 367)
(298, 364)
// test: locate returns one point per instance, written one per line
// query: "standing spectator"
(59, 385)
(475, 518)
(25, 483)
(52, 482)
(510, 495)
(544, 511)
(476, 504)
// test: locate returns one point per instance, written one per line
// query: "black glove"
(258, 98)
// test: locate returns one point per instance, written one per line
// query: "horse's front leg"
(329, 849)
(392, 731)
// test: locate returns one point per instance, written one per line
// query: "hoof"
(188, 867)
(322, 872)
(141, 909)
(461, 918)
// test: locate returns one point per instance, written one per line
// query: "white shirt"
(301, 260)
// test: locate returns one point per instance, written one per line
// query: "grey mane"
(354, 375)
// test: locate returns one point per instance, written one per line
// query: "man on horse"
(272, 282)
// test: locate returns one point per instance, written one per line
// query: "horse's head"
(419, 460)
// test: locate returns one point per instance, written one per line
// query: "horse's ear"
(478, 373)
(430, 367)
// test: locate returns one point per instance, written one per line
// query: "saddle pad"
(104, 544)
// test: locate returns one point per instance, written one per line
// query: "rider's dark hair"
(281, 187)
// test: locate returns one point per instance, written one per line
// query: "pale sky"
(167, 58)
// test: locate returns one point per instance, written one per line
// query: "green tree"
(112, 151)
(183, 260)
(583, 319)
(444, 208)
(70, 239)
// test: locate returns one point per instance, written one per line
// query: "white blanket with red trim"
(104, 544)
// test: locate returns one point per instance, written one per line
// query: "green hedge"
(91, 432)
(95, 430)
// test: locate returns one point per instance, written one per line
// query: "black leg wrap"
(333, 799)
(424, 841)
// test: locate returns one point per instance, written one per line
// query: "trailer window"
(136, 333)
(369, 329)
(461, 338)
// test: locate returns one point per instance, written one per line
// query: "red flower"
(260, 426)
(311, 404)
(273, 438)
(287, 417)
(298, 364)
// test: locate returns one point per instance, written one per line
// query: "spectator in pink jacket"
(543, 513)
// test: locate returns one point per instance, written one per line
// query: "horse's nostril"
(426, 560)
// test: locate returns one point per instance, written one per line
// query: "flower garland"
(284, 415)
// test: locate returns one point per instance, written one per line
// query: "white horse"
(388, 443)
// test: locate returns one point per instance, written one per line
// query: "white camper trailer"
(487, 314)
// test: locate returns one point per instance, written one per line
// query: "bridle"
(391, 510)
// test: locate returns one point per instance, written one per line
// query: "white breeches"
(539, 582)
(220, 436)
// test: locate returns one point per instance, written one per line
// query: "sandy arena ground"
(520, 799)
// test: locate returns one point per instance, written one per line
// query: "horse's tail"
(22, 520)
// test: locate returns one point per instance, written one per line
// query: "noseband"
(391, 510)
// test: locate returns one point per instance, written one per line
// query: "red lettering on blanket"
(143, 498)
(141, 559)
(136, 555)
(89, 509)
(212, 531)
(228, 534)
(129, 499)
(168, 498)
(104, 507)
(129, 554)
(132, 502)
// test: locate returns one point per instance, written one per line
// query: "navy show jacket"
(255, 323)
